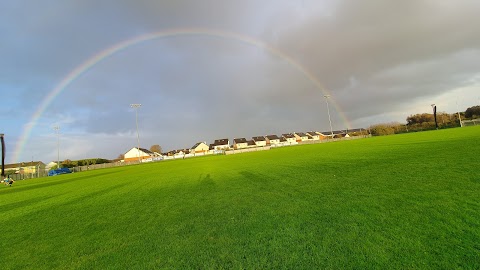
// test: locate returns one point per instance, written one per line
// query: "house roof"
(272, 137)
(259, 138)
(288, 135)
(355, 130)
(301, 134)
(312, 133)
(240, 140)
(24, 164)
(146, 151)
(251, 142)
(172, 152)
(197, 144)
(220, 142)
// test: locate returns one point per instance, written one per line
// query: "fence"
(25, 176)
(246, 150)
(473, 122)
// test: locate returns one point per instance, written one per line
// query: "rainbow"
(102, 55)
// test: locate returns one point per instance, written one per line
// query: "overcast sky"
(254, 68)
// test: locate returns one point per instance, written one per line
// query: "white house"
(50, 165)
(142, 154)
(220, 144)
(200, 147)
(260, 141)
(240, 143)
(325, 135)
(272, 139)
(300, 136)
(313, 135)
(290, 138)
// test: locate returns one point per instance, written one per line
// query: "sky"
(213, 69)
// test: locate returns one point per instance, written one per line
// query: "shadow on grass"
(12, 206)
(56, 206)
(206, 182)
(255, 178)
(94, 194)
(15, 188)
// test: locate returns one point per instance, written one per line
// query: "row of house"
(36, 168)
(219, 145)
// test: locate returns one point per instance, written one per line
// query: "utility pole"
(136, 106)
(57, 131)
(328, 111)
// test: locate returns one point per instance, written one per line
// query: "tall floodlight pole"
(328, 111)
(136, 106)
(434, 108)
(57, 131)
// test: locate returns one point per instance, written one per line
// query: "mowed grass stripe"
(403, 201)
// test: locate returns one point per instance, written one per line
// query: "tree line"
(425, 121)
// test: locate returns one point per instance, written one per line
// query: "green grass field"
(409, 201)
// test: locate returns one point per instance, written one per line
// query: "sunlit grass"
(403, 201)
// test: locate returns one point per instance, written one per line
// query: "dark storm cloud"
(392, 50)
(375, 57)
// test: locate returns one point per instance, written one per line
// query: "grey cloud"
(420, 44)
(374, 56)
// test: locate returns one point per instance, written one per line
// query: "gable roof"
(220, 142)
(288, 136)
(197, 144)
(301, 134)
(272, 137)
(240, 140)
(146, 151)
(353, 130)
(24, 164)
(251, 142)
(259, 138)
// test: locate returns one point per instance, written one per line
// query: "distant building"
(220, 144)
(260, 141)
(326, 134)
(31, 167)
(289, 138)
(200, 147)
(142, 154)
(240, 143)
(272, 139)
(339, 134)
(313, 135)
(251, 143)
(300, 136)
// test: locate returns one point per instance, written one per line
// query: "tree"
(383, 129)
(156, 148)
(420, 118)
(472, 112)
(67, 163)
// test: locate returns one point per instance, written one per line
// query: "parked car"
(59, 171)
